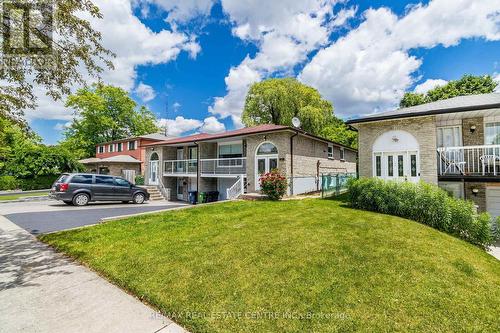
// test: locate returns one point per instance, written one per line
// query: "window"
(111, 148)
(378, 166)
(449, 136)
(131, 145)
(230, 150)
(103, 170)
(193, 153)
(119, 147)
(413, 165)
(492, 133)
(390, 166)
(330, 151)
(103, 180)
(267, 148)
(122, 182)
(101, 149)
(81, 179)
(400, 166)
(342, 154)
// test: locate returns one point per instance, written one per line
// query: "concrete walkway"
(41, 291)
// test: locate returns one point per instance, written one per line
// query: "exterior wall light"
(473, 128)
(395, 139)
(475, 191)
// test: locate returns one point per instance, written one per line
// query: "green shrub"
(37, 183)
(8, 183)
(139, 180)
(424, 203)
(273, 184)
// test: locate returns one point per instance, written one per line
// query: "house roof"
(151, 136)
(112, 159)
(240, 132)
(450, 105)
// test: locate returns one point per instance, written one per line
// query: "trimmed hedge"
(37, 183)
(424, 203)
(139, 180)
(8, 183)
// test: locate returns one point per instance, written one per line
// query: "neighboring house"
(454, 143)
(232, 162)
(122, 157)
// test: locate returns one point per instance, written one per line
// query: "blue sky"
(200, 56)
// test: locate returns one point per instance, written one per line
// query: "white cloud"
(285, 35)
(212, 125)
(179, 125)
(134, 44)
(145, 92)
(176, 106)
(344, 15)
(429, 84)
(181, 11)
(62, 126)
(371, 67)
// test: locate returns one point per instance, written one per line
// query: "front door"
(401, 166)
(153, 172)
(263, 165)
(180, 189)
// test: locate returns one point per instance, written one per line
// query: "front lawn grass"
(294, 266)
(9, 197)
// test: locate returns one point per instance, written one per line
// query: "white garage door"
(493, 201)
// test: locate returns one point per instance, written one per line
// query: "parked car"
(80, 188)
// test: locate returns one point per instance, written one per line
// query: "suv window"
(122, 182)
(81, 179)
(62, 179)
(104, 180)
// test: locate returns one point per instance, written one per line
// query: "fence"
(334, 184)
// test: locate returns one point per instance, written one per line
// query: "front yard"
(294, 266)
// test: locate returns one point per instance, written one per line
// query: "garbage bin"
(202, 197)
(212, 196)
(193, 197)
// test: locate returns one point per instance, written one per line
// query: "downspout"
(291, 161)
(197, 169)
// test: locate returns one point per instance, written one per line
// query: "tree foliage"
(467, 85)
(105, 113)
(277, 101)
(75, 46)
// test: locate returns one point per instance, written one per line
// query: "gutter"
(198, 162)
(291, 161)
(426, 113)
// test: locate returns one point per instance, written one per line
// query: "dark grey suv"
(80, 188)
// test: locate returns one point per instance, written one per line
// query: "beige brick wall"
(479, 198)
(475, 138)
(422, 128)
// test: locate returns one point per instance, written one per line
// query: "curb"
(26, 199)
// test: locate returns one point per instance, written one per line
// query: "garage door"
(493, 201)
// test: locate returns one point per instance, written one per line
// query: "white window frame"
(119, 147)
(101, 149)
(330, 151)
(450, 126)
(342, 154)
(238, 163)
(496, 121)
(135, 145)
(111, 148)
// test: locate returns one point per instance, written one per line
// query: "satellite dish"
(296, 122)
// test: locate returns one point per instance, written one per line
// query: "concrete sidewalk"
(42, 291)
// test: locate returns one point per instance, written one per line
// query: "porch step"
(154, 193)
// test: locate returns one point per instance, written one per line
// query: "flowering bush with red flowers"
(273, 184)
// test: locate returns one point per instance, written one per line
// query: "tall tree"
(277, 101)
(467, 85)
(48, 44)
(105, 113)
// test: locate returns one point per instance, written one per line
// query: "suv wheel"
(81, 199)
(139, 198)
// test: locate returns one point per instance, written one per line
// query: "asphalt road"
(61, 218)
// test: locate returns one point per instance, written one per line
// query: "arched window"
(267, 148)
(154, 157)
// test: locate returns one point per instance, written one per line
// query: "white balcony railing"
(224, 166)
(209, 167)
(469, 160)
(180, 167)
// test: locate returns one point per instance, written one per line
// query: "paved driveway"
(49, 216)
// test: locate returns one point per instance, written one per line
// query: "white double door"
(401, 165)
(264, 164)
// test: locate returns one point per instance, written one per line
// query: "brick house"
(232, 162)
(454, 143)
(122, 157)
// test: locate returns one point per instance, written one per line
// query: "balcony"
(469, 161)
(217, 167)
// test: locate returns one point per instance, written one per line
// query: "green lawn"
(294, 266)
(23, 195)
